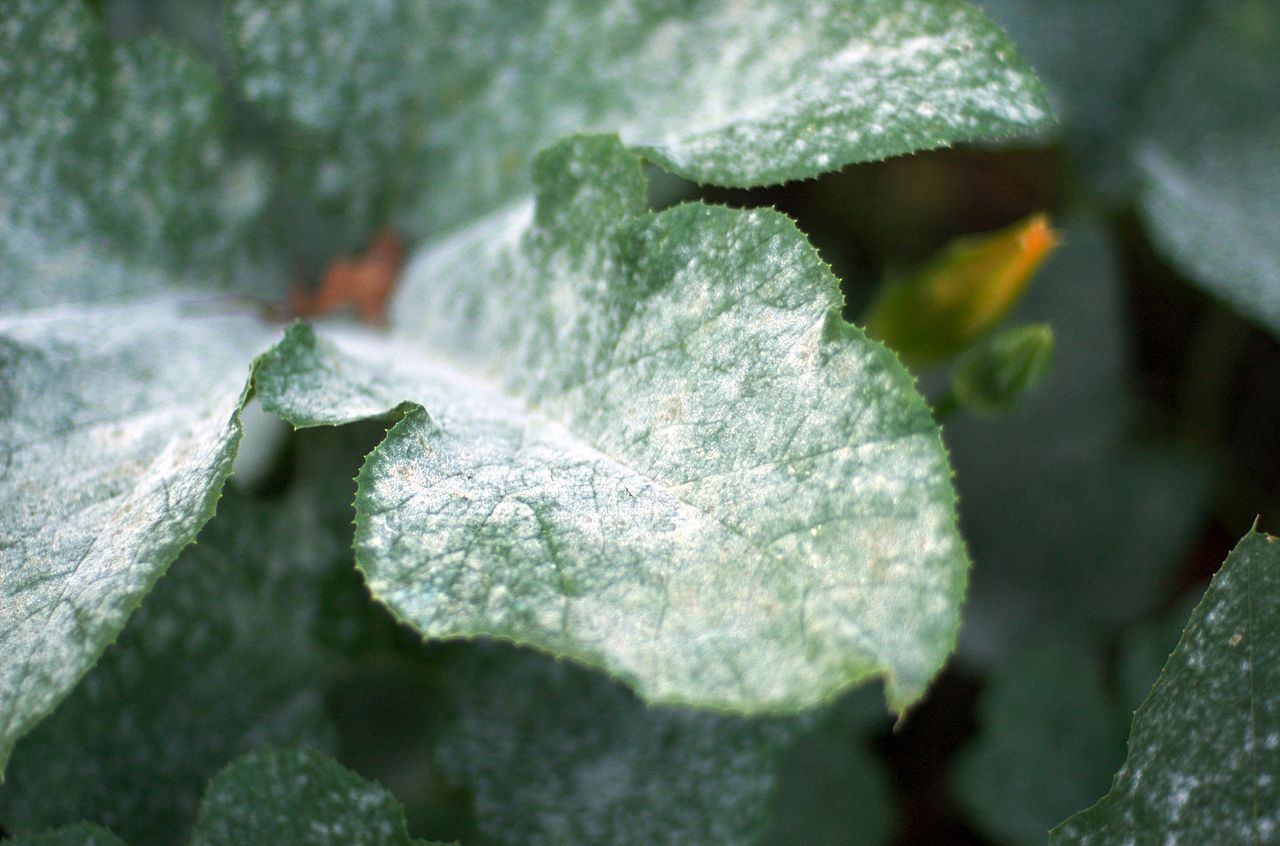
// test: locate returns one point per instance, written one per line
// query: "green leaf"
(577, 758)
(1210, 157)
(119, 419)
(116, 176)
(118, 397)
(286, 797)
(1049, 739)
(221, 658)
(650, 443)
(436, 109)
(117, 430)
(832, 791)
(1073, 524)
(1146, 647)
(1204, 750)
(72, 835)
(1095, 57)
(294, 796)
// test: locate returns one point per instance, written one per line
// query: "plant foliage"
(592, 540)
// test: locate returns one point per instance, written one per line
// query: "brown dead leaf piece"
(363, 283)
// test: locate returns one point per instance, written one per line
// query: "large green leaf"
(119, 399)
(1073, 525)
(577, 758)
(439, 107)
(1210, 157)
(117, 420)
(1049, 739)
(1095, 57)
(222, 658)
(651, 443)
(1204, 751)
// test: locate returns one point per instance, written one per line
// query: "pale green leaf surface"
(221, 658)
(117, 419)
(1073, 528)
(575, 757)
(1049, 739)
(656, 448)
(117, 428)
(72, 835)
(1204, 750)
(295, 797)
(393, 103)
(1210, 157)
(116, 176)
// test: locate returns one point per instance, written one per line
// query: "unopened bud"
(960, 294)
(995, 374)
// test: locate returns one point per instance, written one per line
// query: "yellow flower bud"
(961, 293)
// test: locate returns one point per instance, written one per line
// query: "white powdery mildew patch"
(1205, 746)
(121, 429)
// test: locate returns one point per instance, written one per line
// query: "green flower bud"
(995, 374)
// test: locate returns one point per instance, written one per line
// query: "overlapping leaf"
(1204, 751)
(439, 107)
(116, 172)
(1096, 57)
(1050, 738)
(577, 758)
(118, 428)
(288, 797)
(1209, 153)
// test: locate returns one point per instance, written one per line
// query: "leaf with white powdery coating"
(1204, 751)
(117, 429)
(116, 173)
(648, 442)
(444, 104)
(293, 796)
(118, 418)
